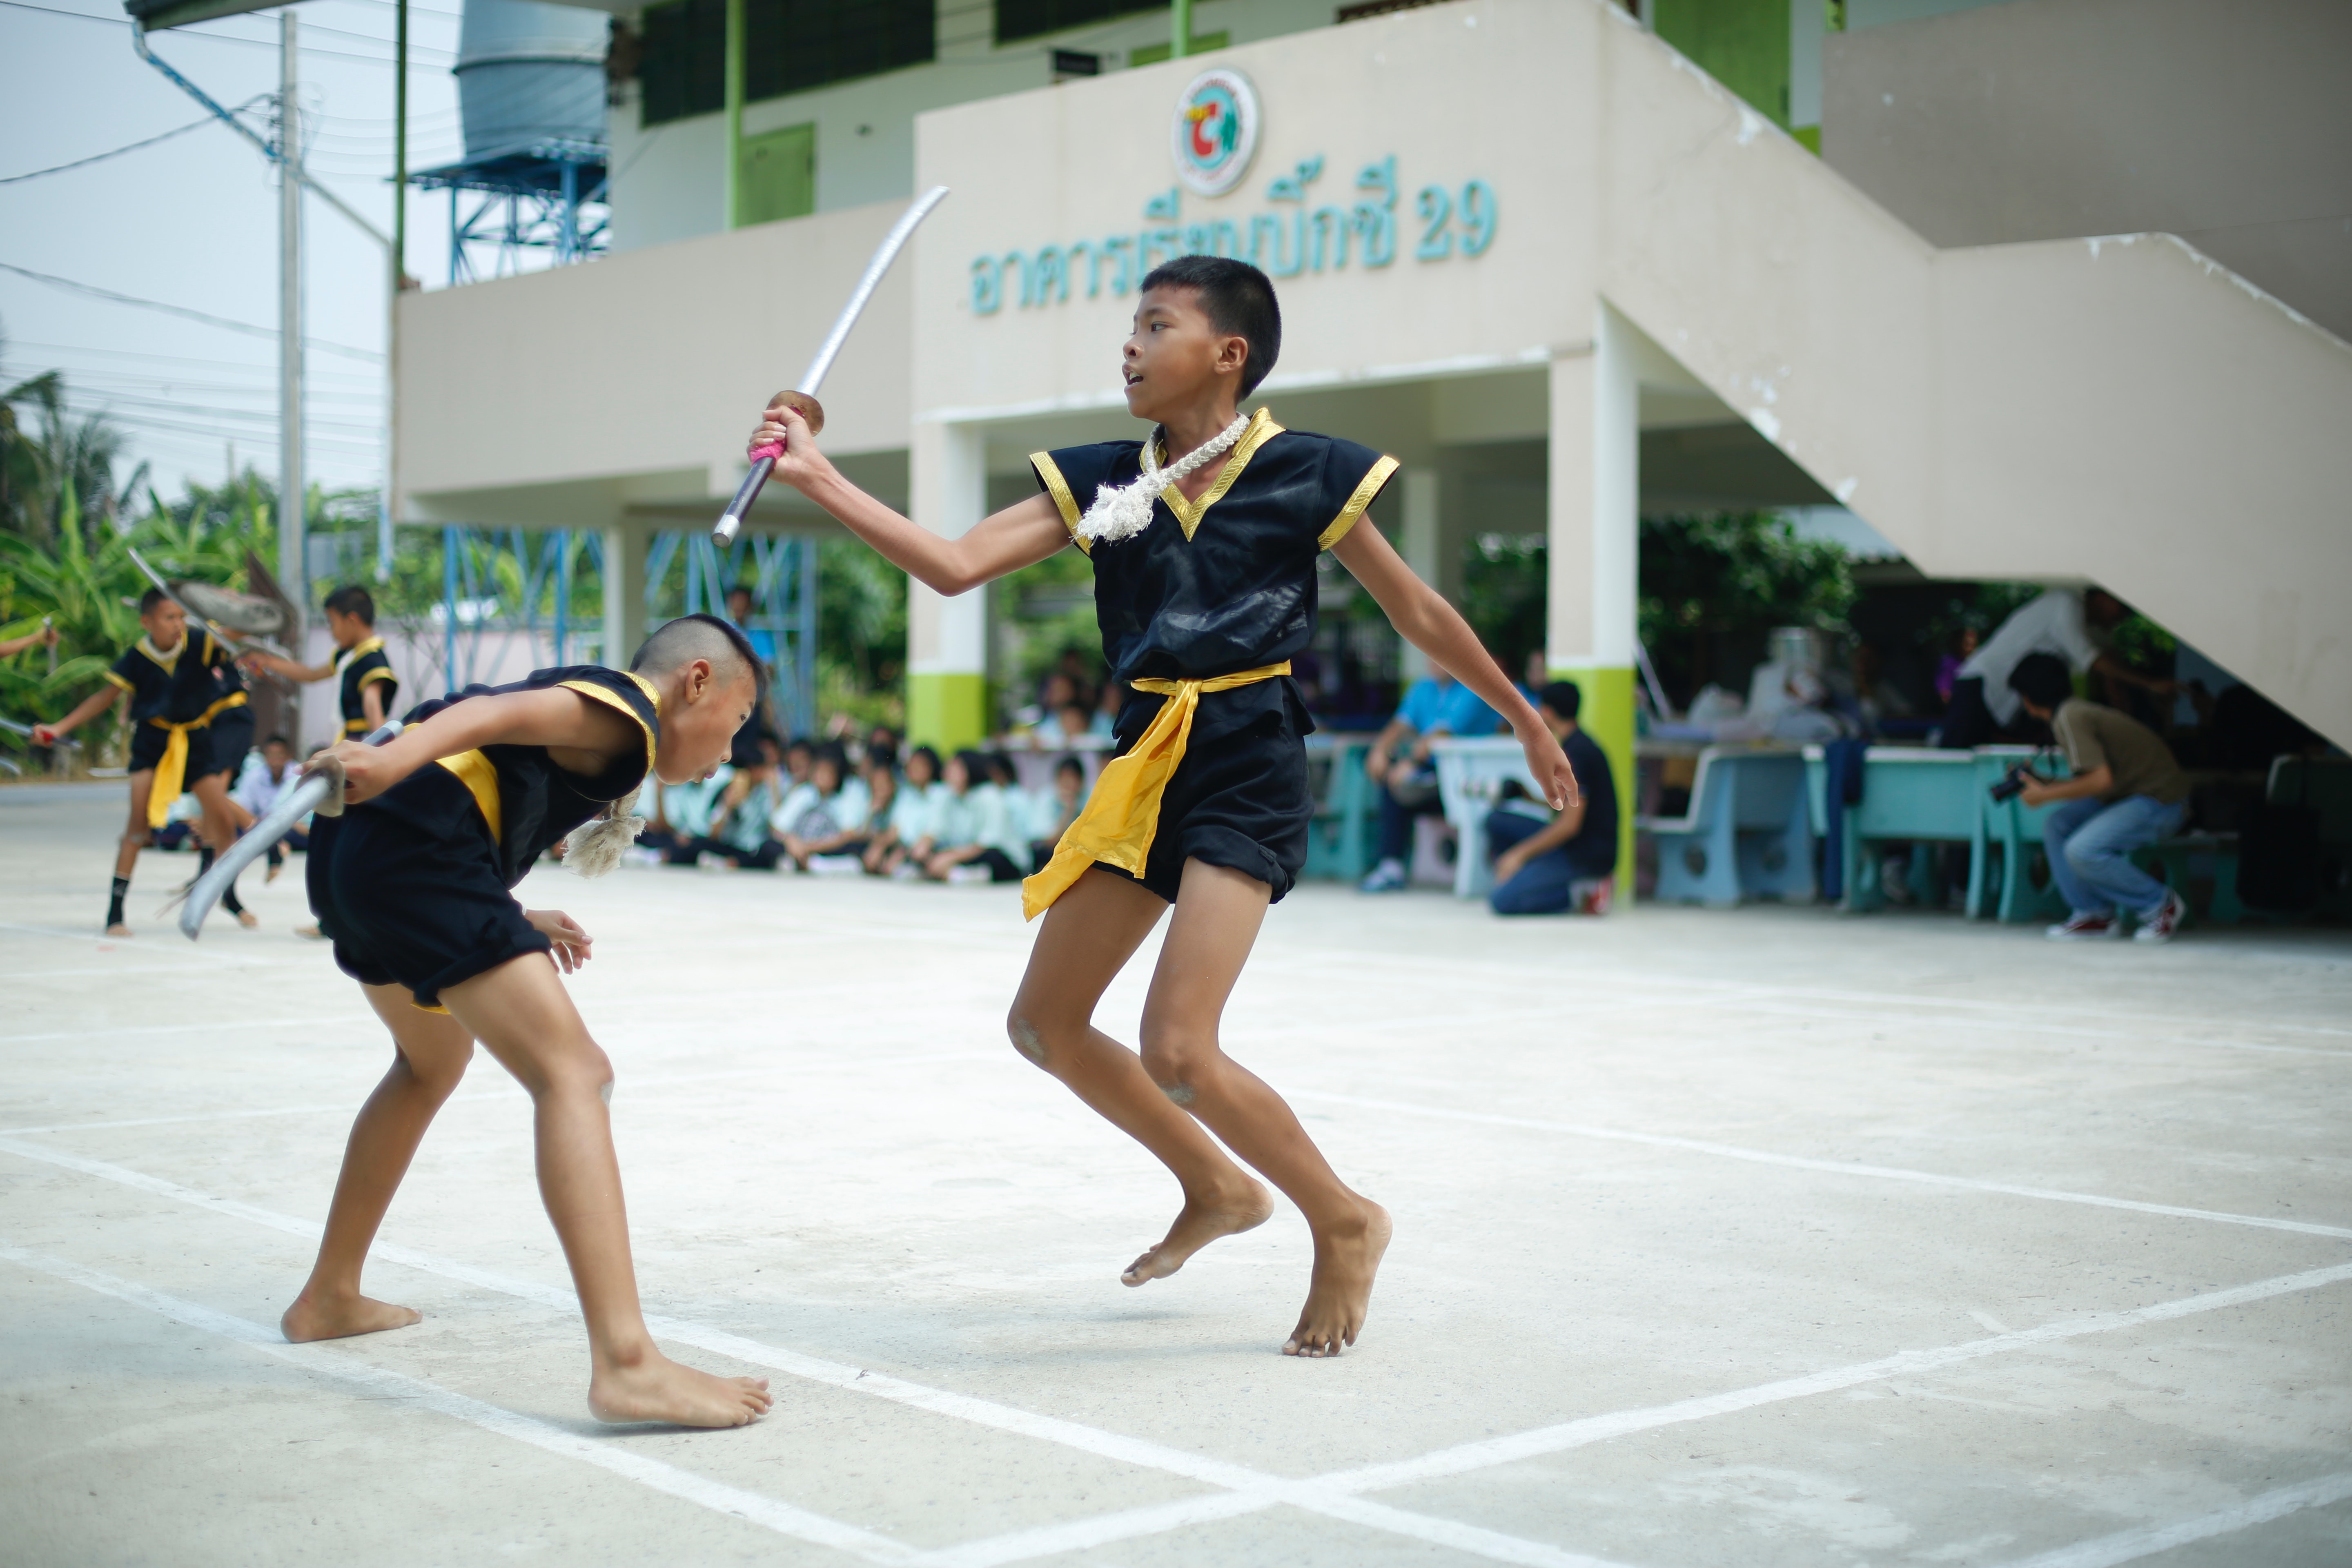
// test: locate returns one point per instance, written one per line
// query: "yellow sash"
(1123, 813)
(171, 769)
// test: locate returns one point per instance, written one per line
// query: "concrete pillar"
(1421, 542)
(1595, 495)
(946, 639)
(625, 545)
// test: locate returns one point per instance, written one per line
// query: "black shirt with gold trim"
(363, 665)
(524, 800)
(1225, 583)
(173, 687)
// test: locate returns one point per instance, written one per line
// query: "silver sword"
(803, 398)
(220, 633)
(299, 801)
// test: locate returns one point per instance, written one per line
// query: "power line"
(262, 368)
(222, 322)
(102, 157)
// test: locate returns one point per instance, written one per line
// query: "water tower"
(530, 90)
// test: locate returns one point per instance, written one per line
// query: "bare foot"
(1202, 1222)
(272, 875)
(310, 933)
(309, 1320)
(118, 929)
(249, 920)
(1340, 1294)
(659, 1389)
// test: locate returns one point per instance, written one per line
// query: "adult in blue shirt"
(1399, 765)
(1547, 862)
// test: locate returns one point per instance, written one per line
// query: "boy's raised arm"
(1425, 619)
(554, 718)
(1020, 536)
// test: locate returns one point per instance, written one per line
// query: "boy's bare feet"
(1202, 1221)
(249, 920)
(659, 1389)
(118, 929)
(1340, 1293)
(309, 1320)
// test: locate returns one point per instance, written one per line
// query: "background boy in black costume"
(412, 885)
(368, 688)
(178, 686)
(1203, 598)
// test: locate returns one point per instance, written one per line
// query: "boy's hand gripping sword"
(299, 801)
(804, 398)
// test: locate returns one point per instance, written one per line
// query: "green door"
(779, 175)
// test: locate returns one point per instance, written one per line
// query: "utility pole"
(291, 485)
(399, 258)
(1180, 23)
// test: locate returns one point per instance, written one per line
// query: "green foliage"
(861, 615)
(1728, 578)
(1040, 611)
(1505, 594)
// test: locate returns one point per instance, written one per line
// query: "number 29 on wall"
(1439, 208)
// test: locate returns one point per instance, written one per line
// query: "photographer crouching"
(2126, 791)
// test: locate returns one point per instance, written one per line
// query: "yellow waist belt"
(1123, 813)
(171, 771)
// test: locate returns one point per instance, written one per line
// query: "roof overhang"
(157, 14)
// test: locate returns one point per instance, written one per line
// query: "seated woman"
(980, 838)
(903, 838)
(1050, 812)
(825, 816)
(739, 836)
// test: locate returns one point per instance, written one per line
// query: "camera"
(2011, 784)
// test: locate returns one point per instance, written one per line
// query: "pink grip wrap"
(772, 451)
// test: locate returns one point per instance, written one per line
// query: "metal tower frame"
(547, 195)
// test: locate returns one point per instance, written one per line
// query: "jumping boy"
(413, 886)
(369, 687)
(1203, 545)
(178, 686)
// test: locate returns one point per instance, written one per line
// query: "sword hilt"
(763, 462)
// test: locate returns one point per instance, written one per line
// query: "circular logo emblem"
(1215, 131)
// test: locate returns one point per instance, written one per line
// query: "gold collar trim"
(1189, 514)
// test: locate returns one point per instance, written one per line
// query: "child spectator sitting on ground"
(904, 839)
(825, 816)
(1050, 812)
(681, 816)
(269, 772)
(800, 759)
(881, 778)
(980, 838)
(739, 836)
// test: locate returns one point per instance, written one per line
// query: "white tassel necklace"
(1122, 511)
(594, 850)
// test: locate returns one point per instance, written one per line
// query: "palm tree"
(35, 470)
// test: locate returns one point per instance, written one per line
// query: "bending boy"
(412, 884)
(177, 688)
(1203, 545)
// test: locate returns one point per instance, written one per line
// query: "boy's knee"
(581, 1069)
(1025, 1036)
(1174, 1058)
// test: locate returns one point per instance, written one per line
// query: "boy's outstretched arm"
(1424, 618)
(1018, 536)
(90, 708)
(300, 674)
(580, 736)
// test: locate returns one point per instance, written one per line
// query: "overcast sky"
(192, 222)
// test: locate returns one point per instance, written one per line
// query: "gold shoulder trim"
(611, 699)
(1259, 431)
(481, 777)
(117, 680)
(1050, 473)
(1374, 478)
(381, 672)
(167, 662)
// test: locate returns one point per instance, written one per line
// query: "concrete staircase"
(2120, 410)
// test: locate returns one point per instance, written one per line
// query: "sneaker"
(2080, 927)
(1591, 895)
(1387, 877)
(2159, 926)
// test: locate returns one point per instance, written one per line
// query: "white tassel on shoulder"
(593, 850)
(1122, 511)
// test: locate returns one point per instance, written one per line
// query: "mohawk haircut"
(1237, 298)
(690, 637)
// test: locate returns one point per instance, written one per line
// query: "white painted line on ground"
(1903, 1363)
(1835, 1167)
(780, 1517)
(2130, 1545)
(1331, 1494)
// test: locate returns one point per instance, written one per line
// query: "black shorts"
(407, 906)
(148, 742)
(1240, 801)
(232, 733)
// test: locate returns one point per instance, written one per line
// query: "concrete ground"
(1768, 1237)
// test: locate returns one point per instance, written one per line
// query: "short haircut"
(1237, 298)
(1563, 697)
(150, 598)
(278, 741)
(925, 753)
(1071, 765)
(352, 600)
(2043, 679)
(690, 637)
(831, 752)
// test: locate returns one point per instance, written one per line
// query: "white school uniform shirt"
(688, 807)
(805, 814)
(258, 792)
(1045, 814)
(2051, 623)
(914, 814)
